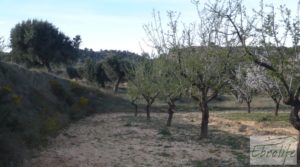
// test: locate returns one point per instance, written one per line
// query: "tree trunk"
(171, 112)
(135, 106)
(277, 108)
(249, 106)
(204, 123)
(298, 149)
(116, 87)
(294, 117)
(295, 121)
(148, 111)
(135, 109)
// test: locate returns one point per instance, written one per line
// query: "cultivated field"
(119, 139)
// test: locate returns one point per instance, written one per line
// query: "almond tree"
(172, 85)
(258, 79)
(264, 37)
(207, 72)
(134, 96)
(241, 86)
(144, 82)
(204, 65)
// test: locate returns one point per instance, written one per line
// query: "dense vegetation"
(99, 55)
(39, 43)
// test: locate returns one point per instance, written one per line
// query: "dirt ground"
(121, 140)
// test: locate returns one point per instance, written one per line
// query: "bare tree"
(264, 37)
(145, 83)
(134, 96)
(258, 79)
(172, 85)
(203, 65)
(241, 86)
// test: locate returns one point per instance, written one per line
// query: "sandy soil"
(120, 140)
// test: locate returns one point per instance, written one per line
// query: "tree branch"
(256, 60)
(211, 97)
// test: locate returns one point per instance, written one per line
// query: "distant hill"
(99, 55)
(35, 105)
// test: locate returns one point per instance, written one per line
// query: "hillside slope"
(36, 105)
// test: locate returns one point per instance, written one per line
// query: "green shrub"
(77, 112)
(89, 70)
(8, 102)
(5, 90)
(80, 109)
(25, 124)
(83, 101)
(69, 100)
(76, 88)
(72, 72)
(52, 123)
(57, 89)
(164, 132)
(16, 99)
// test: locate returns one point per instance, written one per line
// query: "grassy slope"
(35, 105)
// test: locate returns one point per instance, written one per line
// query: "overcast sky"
(102, 24)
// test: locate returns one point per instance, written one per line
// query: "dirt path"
(120, 140)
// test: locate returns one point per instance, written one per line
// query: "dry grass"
(119, 139)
